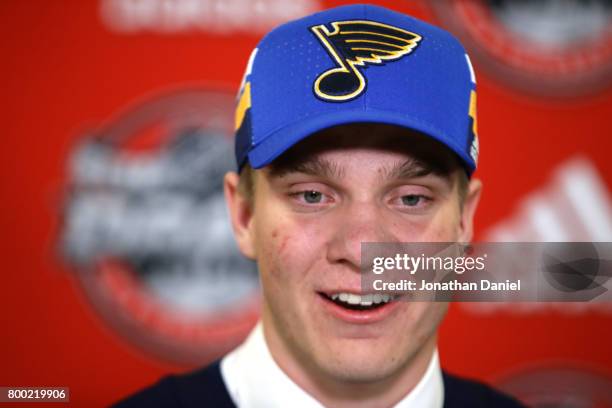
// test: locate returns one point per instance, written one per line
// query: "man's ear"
(241, 214)
(470, 204)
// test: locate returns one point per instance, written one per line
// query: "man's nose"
(357, 223)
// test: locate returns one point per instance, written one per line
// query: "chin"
(362, 360)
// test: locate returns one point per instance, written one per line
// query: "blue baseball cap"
(356, 63)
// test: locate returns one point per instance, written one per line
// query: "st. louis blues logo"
(354, 44)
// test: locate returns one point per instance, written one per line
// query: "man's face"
(311, 212)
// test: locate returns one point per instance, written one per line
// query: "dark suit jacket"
(205, 388)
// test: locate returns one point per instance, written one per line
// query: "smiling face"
(310, 213)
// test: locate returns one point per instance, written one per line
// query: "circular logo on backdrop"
(546, 47)
(146, 228)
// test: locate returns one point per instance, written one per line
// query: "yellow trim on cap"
(243, 105)
(473, 111)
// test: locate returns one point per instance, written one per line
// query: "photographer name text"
(453, 285)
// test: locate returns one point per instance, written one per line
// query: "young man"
(356, 124)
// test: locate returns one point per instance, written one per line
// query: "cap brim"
(281, 140)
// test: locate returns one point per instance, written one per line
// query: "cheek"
(276, 256)
(443, 226)
(446, 225)
(421, 321)
(272, 252)
(279, 233)
(285, 249)
(287, 258)
(278, 242)
(282, 247)
(432, 316)
(274, 265)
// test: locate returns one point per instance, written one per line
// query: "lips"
(358, 308)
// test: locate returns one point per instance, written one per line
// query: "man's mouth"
(352, 301)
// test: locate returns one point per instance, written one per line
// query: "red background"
(63, 70)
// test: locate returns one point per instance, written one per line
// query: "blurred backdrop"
(118, 260)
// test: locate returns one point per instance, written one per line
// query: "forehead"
(396, 143)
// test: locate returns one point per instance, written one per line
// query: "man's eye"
(312, 197)
(412, 200)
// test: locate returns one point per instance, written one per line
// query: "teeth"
(362, 300)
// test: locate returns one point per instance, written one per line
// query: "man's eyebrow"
(312, 167)
(408, 169)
